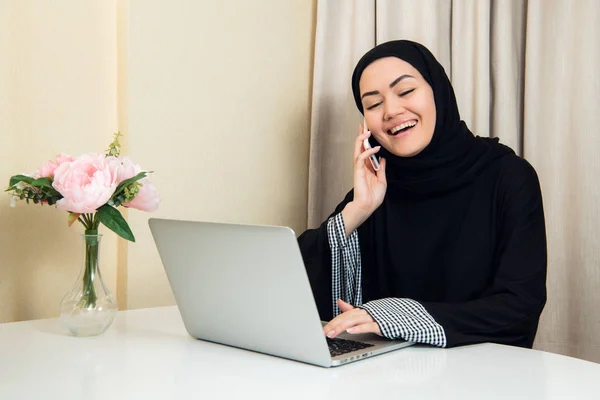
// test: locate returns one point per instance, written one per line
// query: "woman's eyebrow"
(365, 94)
(394, 83)
(399, 79)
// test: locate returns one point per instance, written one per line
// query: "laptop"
(246, 286)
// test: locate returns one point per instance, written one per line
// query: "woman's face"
(399, 106)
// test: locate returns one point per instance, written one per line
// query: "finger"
(332, 328)
(344, 306)
(369, 327)
(366, 154)
(363, 164)
(358, 143)
(346, 320)
(381, 173)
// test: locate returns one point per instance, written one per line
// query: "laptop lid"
(243, 286)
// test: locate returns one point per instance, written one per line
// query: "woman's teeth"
(401, 128)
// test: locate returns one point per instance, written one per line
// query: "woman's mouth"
(402, 128)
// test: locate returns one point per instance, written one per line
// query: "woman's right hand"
(369, 185)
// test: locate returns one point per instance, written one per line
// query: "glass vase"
(89, 308)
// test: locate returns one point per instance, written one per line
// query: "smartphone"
(367, 146)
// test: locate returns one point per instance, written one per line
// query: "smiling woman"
(400, 110)
(445, 244)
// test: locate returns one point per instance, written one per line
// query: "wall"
(57, 94)
(212, 96)
(218, 106)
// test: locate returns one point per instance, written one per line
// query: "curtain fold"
(426, 21)
(470, 60)
(523, 71)
(561, 139)
(507, 71)
(345, 31)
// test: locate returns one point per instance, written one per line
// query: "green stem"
(86, 218)
(91, 269)
(91, 223)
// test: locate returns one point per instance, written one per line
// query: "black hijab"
(454, 157)
(436, 209)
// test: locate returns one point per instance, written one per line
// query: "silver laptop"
(246, 286)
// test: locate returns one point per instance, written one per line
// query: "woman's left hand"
(352, 320)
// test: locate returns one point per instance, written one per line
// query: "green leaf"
(113, 220)
(20, 178)
(118, 200)
(42, 183)
(129, 181)
(51, 192)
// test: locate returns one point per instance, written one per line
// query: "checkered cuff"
(345, 264)
(406, 319)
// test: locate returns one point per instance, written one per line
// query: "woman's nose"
(392, 108)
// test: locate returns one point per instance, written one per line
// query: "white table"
(147, 354)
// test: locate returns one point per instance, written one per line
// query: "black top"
(478, 266)
(461, 228)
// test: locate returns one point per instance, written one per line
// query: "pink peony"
(148, 198)
(86, 183)
(47, 170)
(127, 168)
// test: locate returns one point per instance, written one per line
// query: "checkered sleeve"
(406, 319)
(396, 317)
(345, 264)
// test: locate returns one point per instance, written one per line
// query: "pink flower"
(147, 199)
(47, 170)
(86, 183)
(127, 168)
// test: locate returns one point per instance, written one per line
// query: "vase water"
(89, 308)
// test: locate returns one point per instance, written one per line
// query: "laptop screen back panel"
(243, 286)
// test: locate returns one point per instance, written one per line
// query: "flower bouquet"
(90, 188)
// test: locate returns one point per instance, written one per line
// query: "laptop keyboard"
(339, 346)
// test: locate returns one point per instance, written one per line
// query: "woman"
(445, 244)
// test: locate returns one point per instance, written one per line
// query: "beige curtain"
(523, 71)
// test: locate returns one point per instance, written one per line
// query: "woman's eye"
(406, 92)
(372, 106)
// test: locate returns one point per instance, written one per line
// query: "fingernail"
(350, 330)
(377, 147)
(331, 333)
